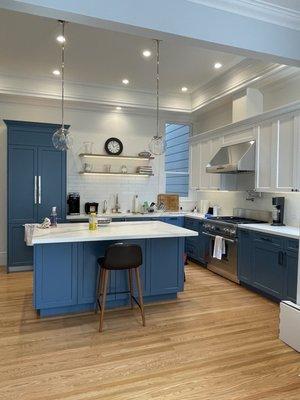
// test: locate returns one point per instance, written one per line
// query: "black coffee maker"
(278, 211)
(73, 203)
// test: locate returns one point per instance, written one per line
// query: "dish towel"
(219, 247)
(28, 233)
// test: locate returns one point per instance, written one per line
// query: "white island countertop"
(287, 231)
(79, 232)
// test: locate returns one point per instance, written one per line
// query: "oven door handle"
(213, 236)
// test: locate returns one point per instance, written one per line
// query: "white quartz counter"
(287, 231)
(79, 232)
(146, 215)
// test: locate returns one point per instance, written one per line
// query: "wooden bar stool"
(120, 256)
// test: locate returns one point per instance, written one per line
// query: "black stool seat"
(120, 256)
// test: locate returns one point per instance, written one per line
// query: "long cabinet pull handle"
(40, 189)
(280, 258)
(35, 189)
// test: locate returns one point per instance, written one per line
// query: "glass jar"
(92, 222)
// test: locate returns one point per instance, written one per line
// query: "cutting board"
(171, 201)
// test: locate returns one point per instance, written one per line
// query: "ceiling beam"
(197, 23)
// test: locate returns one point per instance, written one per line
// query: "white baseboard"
(22, 268)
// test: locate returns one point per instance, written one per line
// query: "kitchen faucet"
(104, 209)
(117, 204)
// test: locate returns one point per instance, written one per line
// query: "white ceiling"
(102, 57)
(280, 12)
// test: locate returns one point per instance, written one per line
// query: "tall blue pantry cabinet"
(36, 181)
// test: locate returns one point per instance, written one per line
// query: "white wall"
(229, 200)
(134, 130)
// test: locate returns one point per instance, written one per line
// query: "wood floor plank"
(217, 341)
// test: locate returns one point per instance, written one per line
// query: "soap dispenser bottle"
(53, 217)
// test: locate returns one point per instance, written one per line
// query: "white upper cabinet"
(287, 156)
(277, 153)
(215, 179)
(195, 166)
(277, 149)
(265, 147)
(208, 148)
(205, 153)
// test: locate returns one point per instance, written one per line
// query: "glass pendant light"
(157, 144)
(62, 139)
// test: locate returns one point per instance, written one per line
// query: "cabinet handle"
(35, 189)
(280, 258)
(266, 239)
(40, 189)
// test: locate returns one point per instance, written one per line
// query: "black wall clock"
(113, 146)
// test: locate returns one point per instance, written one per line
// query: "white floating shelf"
(136, 158)
(115, 174)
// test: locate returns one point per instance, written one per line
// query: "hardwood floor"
(218, 341)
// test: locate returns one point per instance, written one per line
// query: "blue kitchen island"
(65, 264)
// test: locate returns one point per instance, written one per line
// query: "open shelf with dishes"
(115, 174)
(92, 164)
(106, 156)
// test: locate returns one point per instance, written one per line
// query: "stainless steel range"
(227, 228)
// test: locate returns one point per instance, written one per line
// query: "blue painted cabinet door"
(52, 179)
(22, 173)
(166, 256)
(268, 268)
(177, 221)
(245, 256)
(291, 269)
(53, 261)
(19, 254)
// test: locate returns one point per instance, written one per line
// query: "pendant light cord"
(62, 76)
(157, 87)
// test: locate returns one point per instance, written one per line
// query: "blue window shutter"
(177, 159)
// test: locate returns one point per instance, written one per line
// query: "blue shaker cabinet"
(36, 182)
(196, 247)
(268, 263)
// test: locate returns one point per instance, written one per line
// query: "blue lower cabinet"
(19, 254)
(291, 271)
(177, 221)
(163, 258)
(196, 247)
(66, 274)
(268, 268)
(268, 263)
(55, 275)
(245, 256)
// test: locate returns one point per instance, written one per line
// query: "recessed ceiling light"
(118, 108)
(184, 89)
(147, 53)
(60, 39)
(125, 81)
(56, 72)
(218, 65)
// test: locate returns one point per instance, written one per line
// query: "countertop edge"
(273, 230)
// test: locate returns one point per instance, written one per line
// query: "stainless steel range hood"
(233, 159)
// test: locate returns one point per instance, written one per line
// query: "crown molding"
(257, 9)
(247, 72)
(92, 107)
(93, 94)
